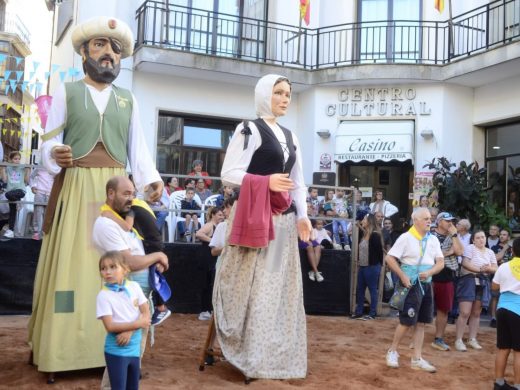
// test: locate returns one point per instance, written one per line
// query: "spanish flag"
(305, 11)
(439, 5)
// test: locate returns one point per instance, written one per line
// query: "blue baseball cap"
(159, 284)
(444, 216)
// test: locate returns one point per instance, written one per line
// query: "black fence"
(195, 30)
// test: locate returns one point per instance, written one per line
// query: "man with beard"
(92, 130)
(107, 235)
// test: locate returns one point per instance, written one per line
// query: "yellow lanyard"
(106, 207)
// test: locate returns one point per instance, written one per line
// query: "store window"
(390, 30)
(503, 166)
(183, 139)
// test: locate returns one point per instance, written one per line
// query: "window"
(503, 166)
(389, 30)
(183, 139)
(217, 26)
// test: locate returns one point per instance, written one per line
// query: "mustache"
(106, 57)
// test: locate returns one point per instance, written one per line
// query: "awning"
(374, 140)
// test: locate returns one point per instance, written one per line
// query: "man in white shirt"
(107, 235)
(421, 257)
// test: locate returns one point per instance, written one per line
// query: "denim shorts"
(418, 307)
(467, 289)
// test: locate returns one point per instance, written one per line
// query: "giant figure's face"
(102, 59)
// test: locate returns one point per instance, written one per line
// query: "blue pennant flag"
(31, 88)
(62, 76)
(2, 57)
(13, 85)
(36, 64)
(19, 74)
(54, 68)
(31, 75)
(7, 74)
(47, 75)
(24, 86)
(38, 88)
(18, 60)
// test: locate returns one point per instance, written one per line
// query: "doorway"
(395, 178)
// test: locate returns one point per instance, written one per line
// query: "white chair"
(25, 214)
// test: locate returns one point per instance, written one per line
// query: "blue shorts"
(418, 307)
(305, 245)
(467, 289)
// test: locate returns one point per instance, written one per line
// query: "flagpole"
(452, 32)
(299, 41)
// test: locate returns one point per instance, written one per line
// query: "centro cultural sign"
(377, 102)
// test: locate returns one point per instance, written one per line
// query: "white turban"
(104, 26)
(264, 94)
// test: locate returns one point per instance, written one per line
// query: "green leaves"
(462, 191)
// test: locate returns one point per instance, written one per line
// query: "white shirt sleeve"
(299, 193)
(141, 163)
(57, 117)
(237, 158)
(103, 306)
(218, 240)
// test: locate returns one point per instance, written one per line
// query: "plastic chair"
(25, 214)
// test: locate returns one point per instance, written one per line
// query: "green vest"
(85, 124)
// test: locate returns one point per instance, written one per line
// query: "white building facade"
(380, 87)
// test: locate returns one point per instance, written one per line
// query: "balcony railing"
(395, 41)
(14, 25)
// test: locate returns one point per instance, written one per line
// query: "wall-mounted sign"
(363, 102)
(324, 179)
(374, 140)
(325, 162)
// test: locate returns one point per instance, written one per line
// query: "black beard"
(101, 74)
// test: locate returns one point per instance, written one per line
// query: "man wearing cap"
(92, 130)
(443, 282)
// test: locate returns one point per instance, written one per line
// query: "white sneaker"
(460, 346)
(312, 276)
(9, 233)
(392, 359)
(319, 277)
(421, 364)
(204, 316)
(473, 343)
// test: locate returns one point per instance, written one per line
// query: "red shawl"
(253, 223)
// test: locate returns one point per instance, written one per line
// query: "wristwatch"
(454, 235)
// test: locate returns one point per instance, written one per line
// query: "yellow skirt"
(64, 333)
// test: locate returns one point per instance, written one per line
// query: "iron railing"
(14, 25)
(392, 41)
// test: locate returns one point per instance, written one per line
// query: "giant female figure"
(258, 295)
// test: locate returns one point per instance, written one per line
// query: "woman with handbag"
(473, 288)
(370, 260)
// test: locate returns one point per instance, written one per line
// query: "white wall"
(498, 101)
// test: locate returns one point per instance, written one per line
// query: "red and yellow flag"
(439, 5)
(305, 11)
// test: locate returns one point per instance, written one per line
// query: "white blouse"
(237, 161)
(142, 165)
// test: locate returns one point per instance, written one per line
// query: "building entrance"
(394, 178)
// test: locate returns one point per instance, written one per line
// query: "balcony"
(14, 25)
(224, 37)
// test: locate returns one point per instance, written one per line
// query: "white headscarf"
(264, 94)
